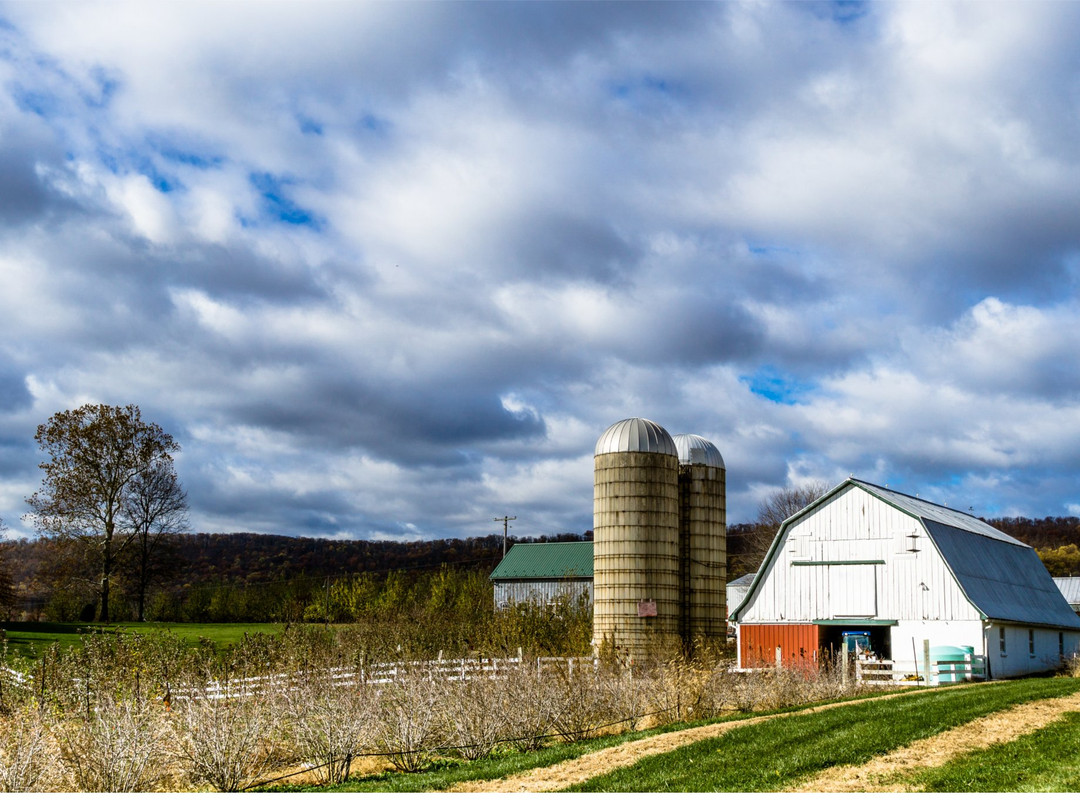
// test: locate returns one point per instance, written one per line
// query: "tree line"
(111, 515)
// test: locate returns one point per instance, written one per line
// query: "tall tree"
(97, 455)
(7, 582)
(156, 509)
(772, 511)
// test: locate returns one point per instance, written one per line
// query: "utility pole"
(506, 520)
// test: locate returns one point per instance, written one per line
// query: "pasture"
(29, 640)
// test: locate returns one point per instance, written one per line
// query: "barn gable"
(863, 551)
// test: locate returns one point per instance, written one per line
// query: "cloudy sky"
(388, 270)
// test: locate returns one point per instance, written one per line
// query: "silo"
(635, 537)
(702, 538)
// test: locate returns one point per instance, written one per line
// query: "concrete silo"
(635, 536)
(702, 538)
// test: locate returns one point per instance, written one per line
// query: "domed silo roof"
(636, 435)
(694, 450)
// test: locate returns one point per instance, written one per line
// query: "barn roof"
(559, 559)
(1070, 589)
(1002, 577)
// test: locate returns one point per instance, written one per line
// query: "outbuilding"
(893, 577)
(737, 589)
(1070, 590)
(546, 573)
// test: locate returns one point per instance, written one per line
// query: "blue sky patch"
(770, 383)
(278, 204)
(309, 126)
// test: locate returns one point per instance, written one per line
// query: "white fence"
(945, 671)
(376, 673)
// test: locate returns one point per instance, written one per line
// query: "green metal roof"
(559, 559)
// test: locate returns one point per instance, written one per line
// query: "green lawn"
(777, 754)
(30, 639)
(1047, 760)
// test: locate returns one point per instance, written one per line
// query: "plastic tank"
(635, 537)
(952, 662)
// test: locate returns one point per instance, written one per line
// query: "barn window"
(1031, 642)
(1001, 639)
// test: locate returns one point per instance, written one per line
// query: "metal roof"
(1001, 576)
(694, 450)
(1004, 580)
(1070, 590)
(636, 435)
(560, 559)
(923, 510)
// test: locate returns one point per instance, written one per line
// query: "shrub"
(121, 746)
(331, 721)
(27, 752)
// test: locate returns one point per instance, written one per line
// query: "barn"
(545, 573)
(1070, 590)
(737, 589)
(893, 577)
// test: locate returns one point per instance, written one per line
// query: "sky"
(388, 270)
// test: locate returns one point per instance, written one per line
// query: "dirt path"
(882, 773)
(578, 770)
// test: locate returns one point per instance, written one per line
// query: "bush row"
(143, 713)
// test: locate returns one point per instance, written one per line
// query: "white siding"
(541, 592)
(1018, 658)
(856, 526)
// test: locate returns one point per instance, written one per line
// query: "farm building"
(891, 575)
(544, 573)
(1070, 590)
(737, 589)
(660, 538)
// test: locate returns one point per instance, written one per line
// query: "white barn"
(869, 566)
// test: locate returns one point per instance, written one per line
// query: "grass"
(1047, 760)
(445, 773)
(776, 754)
(31, 639)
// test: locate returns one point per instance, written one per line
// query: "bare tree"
(155, 509)
(7, 583)
(97, 453)
(772, 512)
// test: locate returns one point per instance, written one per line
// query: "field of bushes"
(137, 712)
(347, 707)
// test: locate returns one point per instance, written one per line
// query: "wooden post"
(926, 661)
(844, 664)
(779, 656)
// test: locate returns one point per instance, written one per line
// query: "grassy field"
(30, 639)
(777, 754)
(1047, 760)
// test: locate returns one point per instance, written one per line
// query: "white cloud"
(387, 268)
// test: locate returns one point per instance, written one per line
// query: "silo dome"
(695, 450)
(638, 435)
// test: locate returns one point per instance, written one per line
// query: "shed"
(737, 589)
(545, 573)
(1070, 590)
(897, 574)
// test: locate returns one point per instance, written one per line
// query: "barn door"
(853, 590)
